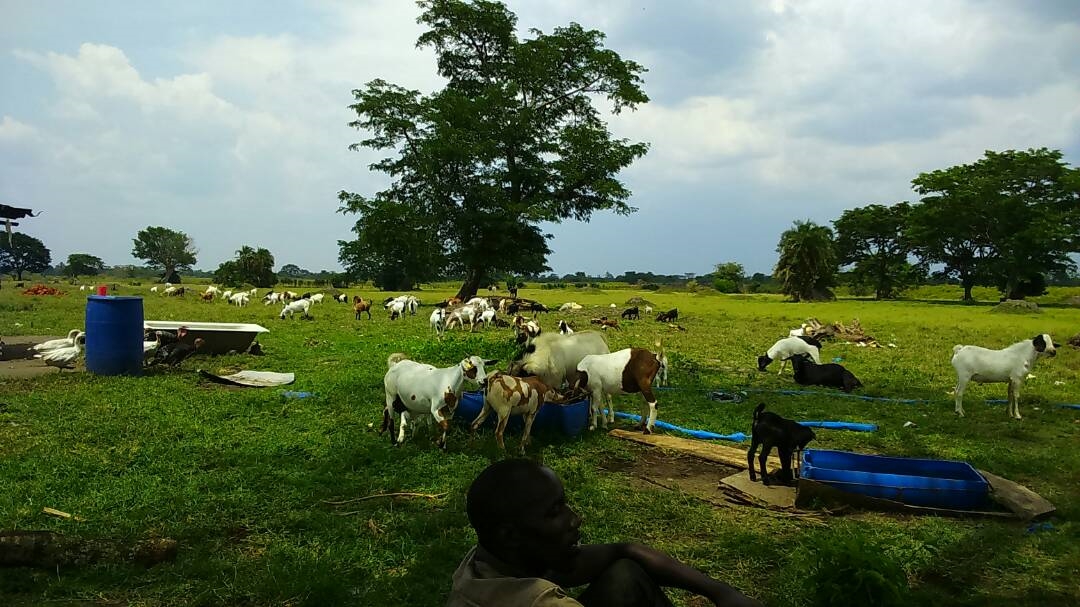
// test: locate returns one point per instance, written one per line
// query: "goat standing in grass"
(1010, 365)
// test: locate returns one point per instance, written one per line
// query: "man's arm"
(664, 570)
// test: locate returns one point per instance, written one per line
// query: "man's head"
(520, 515)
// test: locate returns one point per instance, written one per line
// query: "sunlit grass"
(239, 477)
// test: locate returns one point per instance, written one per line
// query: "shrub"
(725, 285)
(846, 568)
(650, 286)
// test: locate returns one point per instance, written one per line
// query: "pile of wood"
(838, 331)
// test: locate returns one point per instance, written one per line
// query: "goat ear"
(1040, 343)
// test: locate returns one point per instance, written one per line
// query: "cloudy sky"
(228, 119)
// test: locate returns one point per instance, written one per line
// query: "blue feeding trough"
(569, 419)
(916, 482)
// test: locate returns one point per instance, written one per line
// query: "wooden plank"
(1024, 502)
(707, 450)
(779, 496)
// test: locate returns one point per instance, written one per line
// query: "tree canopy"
(513, 140)
(1006, 220)
(251, 266)
(807, 265)
(163, 249)
(82, 264)
(872, 239)
(23, 254)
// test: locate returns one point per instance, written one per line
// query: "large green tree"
(82, 264)
(23, 254)
(251, 266)
(166, 250)
(513, 140)
(806, 269)
(1005, 220)
(872, 239)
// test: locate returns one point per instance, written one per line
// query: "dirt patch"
(18, 362)
(693, 476)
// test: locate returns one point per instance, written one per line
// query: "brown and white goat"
(508, 395)
(627, 371)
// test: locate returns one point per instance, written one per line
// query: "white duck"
(64, 342)
(62, 358)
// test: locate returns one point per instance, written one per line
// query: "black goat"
(831, 375)
(631, 313)
(670, 316)
(770, 430)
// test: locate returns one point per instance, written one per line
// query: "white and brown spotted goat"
(628, 371)
(508, 395)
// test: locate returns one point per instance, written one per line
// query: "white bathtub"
(218, 337)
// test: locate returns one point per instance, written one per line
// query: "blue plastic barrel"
(114, 335)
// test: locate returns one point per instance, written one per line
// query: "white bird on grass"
(62, 358)
(63, 342)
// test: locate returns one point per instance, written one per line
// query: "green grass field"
(240, 477)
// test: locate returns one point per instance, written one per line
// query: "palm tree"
(807, 265)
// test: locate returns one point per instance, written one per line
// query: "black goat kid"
(770, 430)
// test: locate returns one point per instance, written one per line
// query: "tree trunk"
(472, 284)
(170, 275)
(18, 274)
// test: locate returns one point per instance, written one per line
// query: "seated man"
(528, 551)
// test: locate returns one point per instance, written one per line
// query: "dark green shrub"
(846, 568)
(725, 285)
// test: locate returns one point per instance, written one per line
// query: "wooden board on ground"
(1024, 502)
(779, 496)
(711, 451)
(811, 491)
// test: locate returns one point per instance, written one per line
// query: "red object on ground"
(42, 290)
(102, 290)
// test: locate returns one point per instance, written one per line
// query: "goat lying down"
(770, 430)
(830, 375)
(1009, 365)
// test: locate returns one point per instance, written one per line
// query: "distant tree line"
(1010, 220)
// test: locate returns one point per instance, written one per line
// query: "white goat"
(648, 309)
(1009, 365)
(487, 317)
(300, 305)
(554, 357)
(418, 389)
(787, 347)
(317, 298)
(627, 371)
(239, 299)
(153, 289)
(226, 295)
(461, 315)
(437, 320)
(396, 309)
(272, 297)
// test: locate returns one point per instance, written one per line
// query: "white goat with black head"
(1006, 366)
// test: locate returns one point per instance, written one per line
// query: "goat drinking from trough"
(1010, 365)
(554, 357)
(507, 395)
(417, 389)
(627, 371)
(770, 430)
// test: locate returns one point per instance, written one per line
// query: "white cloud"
(12, 130)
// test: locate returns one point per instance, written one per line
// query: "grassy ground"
(239, 477)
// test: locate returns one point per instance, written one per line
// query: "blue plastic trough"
(917, 482)
(569, 419)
